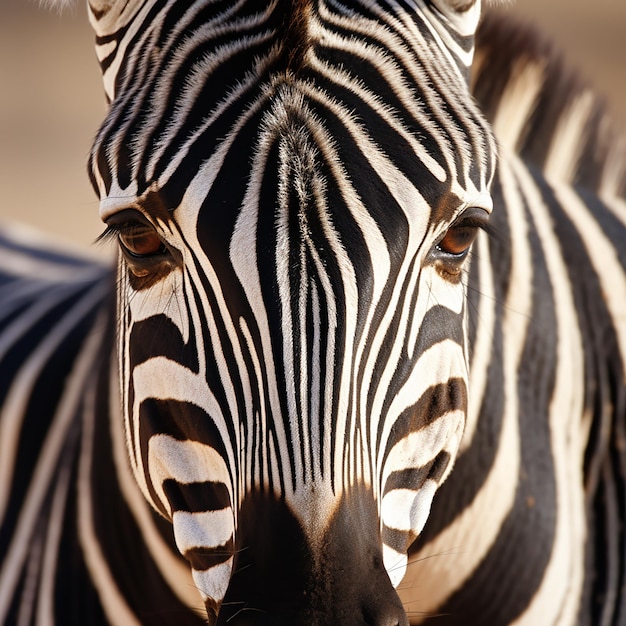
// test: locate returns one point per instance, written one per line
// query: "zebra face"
(294, 191)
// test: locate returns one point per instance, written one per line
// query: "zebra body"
(293, 188)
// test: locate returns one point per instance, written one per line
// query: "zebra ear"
(106, 16)
(108, 19)
(463, 15)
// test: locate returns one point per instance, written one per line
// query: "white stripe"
(213, 583)
(47, 268)
(395, 564)
(387, 65)
(557, 599)
(187, 100)
(390, 71)
(421, 447)
(184, 462)
(27, 266)
(483, 343)
(43, 300)
(242, 254)
(114, 22)
(161, 378)
(462, 22)
(603, 257)
(614, 167)
(105, 49)
(567, 141)
(209, 529)
(45, 606)
(167, 299)
(407, 510)
(260, 421)
(28, 599)
(518, 102)
(436, 365)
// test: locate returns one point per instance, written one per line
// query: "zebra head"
(294, 186)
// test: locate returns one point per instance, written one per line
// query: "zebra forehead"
(314, 144)
(185, 111)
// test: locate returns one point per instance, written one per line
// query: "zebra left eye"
(460, 236)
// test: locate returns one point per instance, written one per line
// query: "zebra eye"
(460, 236)
(147, 257)
(136, 236)
(458, 239)
(141, 241)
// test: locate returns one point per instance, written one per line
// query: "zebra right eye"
(137, 237)
(147, 257)
(141, 241)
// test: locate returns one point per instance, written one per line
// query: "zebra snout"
(284, 575)
(372, 607)
(392, 618)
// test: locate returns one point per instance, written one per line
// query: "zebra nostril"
(385, 610)
(392, 618)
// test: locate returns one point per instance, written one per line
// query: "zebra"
(290, 427)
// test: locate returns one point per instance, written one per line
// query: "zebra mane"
(543, 110)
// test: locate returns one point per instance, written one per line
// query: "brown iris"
(463, 231)
(141, 241)
(458, 239)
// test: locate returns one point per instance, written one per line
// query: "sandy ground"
(51, 100)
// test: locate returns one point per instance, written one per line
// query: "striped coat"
(528, 527)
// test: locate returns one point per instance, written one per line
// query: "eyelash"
(110, 233)
(136, 238)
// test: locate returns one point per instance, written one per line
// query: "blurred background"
(51, 101)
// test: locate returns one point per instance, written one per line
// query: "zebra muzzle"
(280, 577)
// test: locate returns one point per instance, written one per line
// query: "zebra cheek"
(416, 467)
(404, 513)
(206, 540)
